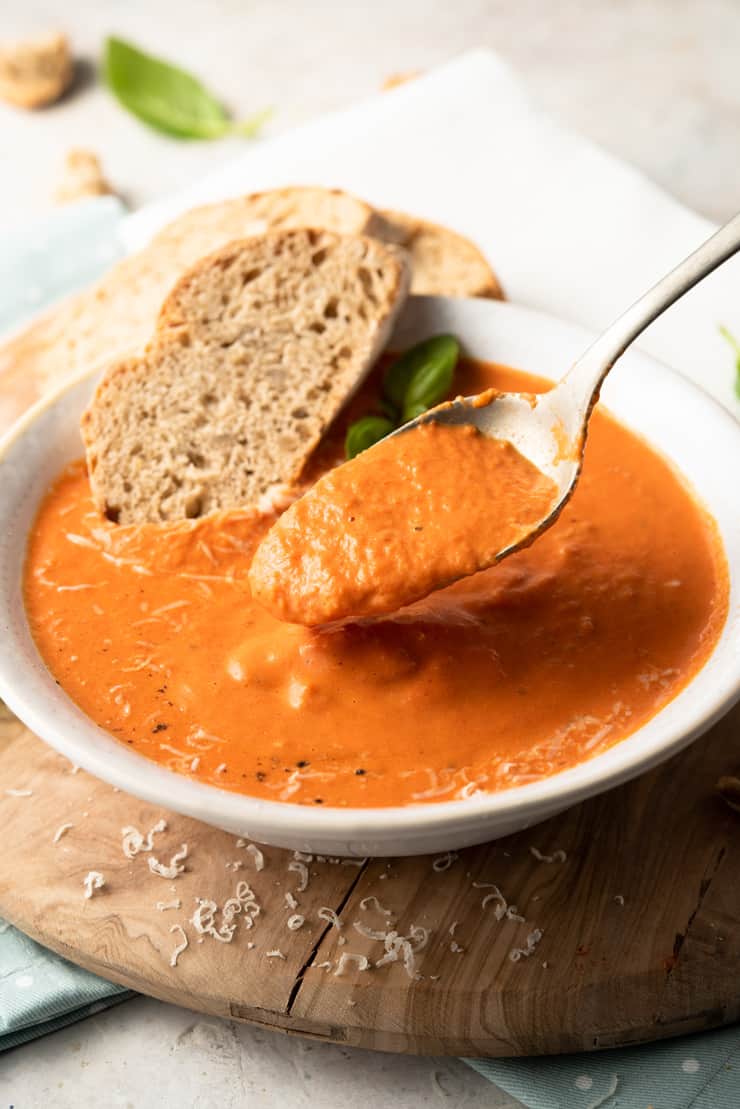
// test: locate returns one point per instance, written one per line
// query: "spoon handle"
(586, 375)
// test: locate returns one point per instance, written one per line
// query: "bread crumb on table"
(35, 72)
(82, 176)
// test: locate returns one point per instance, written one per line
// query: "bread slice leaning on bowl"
(256, 349)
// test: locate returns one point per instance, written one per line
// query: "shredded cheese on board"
(134, 842)
(329, 915)
(172, 869)
(259, 859)
(361, 961)
(177, 952)
(531, 942)
(558, 856)
(301, 870)
(92, 881)
(61, 831)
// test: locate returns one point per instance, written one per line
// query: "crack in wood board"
(293, 996)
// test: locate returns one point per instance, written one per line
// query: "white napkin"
(568, 228)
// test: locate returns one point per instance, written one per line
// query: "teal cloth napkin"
(40, 992)
(692, 1072)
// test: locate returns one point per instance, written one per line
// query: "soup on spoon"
(416, 512)
(449, 493)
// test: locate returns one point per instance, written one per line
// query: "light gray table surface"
(654, 81)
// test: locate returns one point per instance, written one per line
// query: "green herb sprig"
(168, 98)
(735, 344)
(414, 383)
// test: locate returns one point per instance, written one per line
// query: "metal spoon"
(550, 429)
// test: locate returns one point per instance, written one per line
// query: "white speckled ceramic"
(699, 436)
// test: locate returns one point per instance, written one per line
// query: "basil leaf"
(440, 350)
(411, 411)
(431, 380)
(166, 97)
(366, 433)
(727, 334)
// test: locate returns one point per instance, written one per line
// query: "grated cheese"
(61, 831)
(327, 914)
(241, 842)
(497, 896)
(444, 862)
(619, 899)
(171, 869)
(221, 768)
(19, 793)
(92, 881)
(406, 946)
(259, 859)
(243, 901)
(163, 906)
(368, 900)
(235, 864)
(181, 946)
(301, 869)
(347, 957)
(295, 922)
(531, 942)
(276, 953)
(368, 933)
(291, 901)
(558, 856)
(456, 949)
(134, 842)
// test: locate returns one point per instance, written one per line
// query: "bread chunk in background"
(82, 177)
(35, 72)
(443, 263)
(256, 349)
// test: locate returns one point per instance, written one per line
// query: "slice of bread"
(204, 229)
(117, 316)
(443, 263)
(256, 349)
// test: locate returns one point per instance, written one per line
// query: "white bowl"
(683, 422)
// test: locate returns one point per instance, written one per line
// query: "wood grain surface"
(664, 962)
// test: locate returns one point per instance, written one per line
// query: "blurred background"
(654, 81)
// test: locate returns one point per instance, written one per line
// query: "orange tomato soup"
(506, 677)
(418, 511)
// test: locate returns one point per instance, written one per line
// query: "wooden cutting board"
(640, 923)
